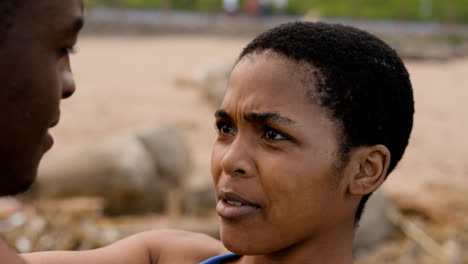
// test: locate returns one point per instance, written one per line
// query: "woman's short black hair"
(362, 83)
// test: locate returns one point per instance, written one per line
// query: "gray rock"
(169, 152)
(200, 200)
(211, 81)
(375, 225)
(119, 170)
(133, 173)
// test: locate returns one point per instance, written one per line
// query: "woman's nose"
(237, 161)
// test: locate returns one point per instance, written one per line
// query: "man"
(35, 40)
(35, 75)
(36, 37)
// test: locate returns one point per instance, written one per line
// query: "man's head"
(360, 82)
(35, 74)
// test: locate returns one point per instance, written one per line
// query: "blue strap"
(221, 259)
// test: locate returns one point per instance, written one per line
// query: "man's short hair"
(361, 83)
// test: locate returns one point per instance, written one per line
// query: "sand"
(127, 84)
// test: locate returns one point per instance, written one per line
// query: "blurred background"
(133, 146)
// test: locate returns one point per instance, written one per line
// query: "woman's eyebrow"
(259, 117)
(268, 117)
(221, 113)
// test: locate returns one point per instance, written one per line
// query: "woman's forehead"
(271, 79)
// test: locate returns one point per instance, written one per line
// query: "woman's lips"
(232, 205)
(228, 210)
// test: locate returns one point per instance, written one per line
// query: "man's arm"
(154, 247)
(8, 256)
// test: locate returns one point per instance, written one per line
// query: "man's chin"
(18, 186)
(15, 190)
(24, 187)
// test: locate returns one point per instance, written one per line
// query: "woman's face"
(275, 163)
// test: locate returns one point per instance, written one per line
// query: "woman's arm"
(129, 250)
(153, 247)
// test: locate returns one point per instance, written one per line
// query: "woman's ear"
(370, 169)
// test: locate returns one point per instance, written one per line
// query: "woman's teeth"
(233, 203)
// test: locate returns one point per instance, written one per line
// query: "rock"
(119, 169)
(212, 81)
(133, 173)
(169, 152)
(200, 200)
(375, 226)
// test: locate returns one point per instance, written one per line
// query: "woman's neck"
(331, 248)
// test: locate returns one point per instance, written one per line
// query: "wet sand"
(124, 85)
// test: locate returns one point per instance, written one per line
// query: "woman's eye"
(274, 134)
(225, 128)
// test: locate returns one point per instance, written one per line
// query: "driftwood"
(448, 253)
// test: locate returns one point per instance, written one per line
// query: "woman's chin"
(243, 245)
(239, 249)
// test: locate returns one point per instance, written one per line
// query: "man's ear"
(370, 165)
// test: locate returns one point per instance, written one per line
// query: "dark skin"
(279, 153)
(35, 75)
(276, 154)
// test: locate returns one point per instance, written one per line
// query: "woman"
(315, 118)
